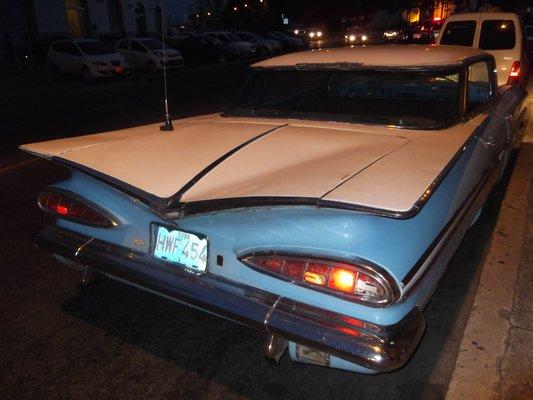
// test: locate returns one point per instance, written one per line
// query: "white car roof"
(483, 16)
(378, 56)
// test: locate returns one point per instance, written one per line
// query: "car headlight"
(296, 31)
(319, 34)
(312, 34)
(99, 63)
(359, 281)
(364, 38)
(352, 38)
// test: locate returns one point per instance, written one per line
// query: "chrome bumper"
(379, 348)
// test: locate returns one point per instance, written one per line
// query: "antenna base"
(167, 127)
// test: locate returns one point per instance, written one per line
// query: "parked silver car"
(148, 53)
(263, 46)
(88, 58)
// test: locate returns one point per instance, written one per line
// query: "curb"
(479, 372)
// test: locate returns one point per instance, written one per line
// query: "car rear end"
(227, 265)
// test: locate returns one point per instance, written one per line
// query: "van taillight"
(68, 205)
(514, 73)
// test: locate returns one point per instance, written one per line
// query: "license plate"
(181, 248)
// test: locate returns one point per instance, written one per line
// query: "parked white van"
(500, 34)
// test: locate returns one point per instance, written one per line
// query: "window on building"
(116, 19)
(140, 19)
(158, 16)
(459, 33)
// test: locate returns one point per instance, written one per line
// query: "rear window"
(497, 35)
(412, 99)
(459, 33)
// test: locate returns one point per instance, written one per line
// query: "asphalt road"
(61, 341)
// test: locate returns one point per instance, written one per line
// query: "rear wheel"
(262, 51)
(152, 67)
(222, 58)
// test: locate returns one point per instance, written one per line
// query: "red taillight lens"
(514, 72)
(359, 282)
(70, 206)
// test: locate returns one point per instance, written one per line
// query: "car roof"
(389, 56)
(483, 16)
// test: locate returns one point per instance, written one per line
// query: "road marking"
(17, 165)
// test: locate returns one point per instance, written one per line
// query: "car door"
(123, 47)
(138, 54)
(483, 97)
(59, 56)
(73, 58)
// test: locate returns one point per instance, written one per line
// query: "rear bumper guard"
(379, 348)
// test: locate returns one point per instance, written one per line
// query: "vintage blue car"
(321, 208)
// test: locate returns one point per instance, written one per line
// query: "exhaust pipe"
(275, 348)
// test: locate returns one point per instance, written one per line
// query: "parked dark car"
(288, 42)
(204, 49)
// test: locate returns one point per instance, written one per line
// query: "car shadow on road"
(206, 357)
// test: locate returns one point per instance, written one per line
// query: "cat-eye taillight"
(357, 282)
(64, 204)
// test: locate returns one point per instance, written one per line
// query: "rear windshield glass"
(497, 35)
(408, 99)
(95, 48)
(459, 33)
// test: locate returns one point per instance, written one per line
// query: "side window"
(136, 46)
(71, 48)
(497, 35)
(479, 86)
(123, 44)
(459, 33)
(59, 47)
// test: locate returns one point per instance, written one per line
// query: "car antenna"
(168, 122)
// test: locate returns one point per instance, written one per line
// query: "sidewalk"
(495, 359)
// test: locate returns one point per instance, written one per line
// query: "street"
(108, 340)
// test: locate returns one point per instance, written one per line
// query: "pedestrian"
(14, 64)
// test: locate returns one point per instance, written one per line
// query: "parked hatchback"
(88, 58)
(148, 53)
(500, 34)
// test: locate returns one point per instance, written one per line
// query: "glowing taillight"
(514, 72)
(70, 206)
(358, 282)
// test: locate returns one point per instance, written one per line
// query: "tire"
(86, 75)
(54, 71)
(262, 51)
(152, 67)
(222, 58)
